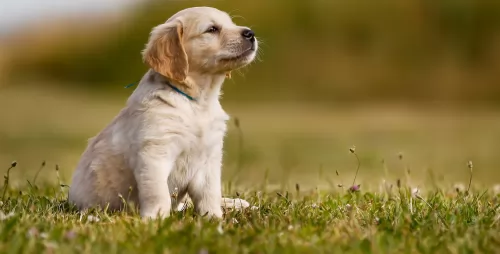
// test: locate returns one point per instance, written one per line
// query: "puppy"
(167, 141)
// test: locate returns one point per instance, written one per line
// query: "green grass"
(395, 220)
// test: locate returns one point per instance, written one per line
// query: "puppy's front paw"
(237, 203)
(214, 213)
(155, 212)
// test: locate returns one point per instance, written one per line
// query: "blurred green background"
(419, 78)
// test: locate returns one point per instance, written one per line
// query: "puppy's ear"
(165, 53)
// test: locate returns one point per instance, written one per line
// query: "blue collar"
(171, 86)
(181, 92)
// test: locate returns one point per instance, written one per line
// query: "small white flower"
(290, 227)
(348, 207)
(254, 208)
(180, 207)
(415, 192)
(32, 232)
(4, 216)
(314, 205)
(219, 229)
(92, 218)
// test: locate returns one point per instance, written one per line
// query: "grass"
(398, 219)
(39, 220)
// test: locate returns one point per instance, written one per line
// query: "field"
(294, 163)
(398, 220)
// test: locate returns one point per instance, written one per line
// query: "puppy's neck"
(204, 89)
(209, 86)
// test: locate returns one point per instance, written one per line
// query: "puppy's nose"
(248, 34)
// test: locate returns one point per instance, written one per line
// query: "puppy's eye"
(212, 29)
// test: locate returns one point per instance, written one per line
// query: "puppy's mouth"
(246, 53)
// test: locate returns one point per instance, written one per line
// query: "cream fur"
(161, 142)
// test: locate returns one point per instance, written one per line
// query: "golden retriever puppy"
(167, 141)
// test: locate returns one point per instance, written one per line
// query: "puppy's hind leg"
(237, 203)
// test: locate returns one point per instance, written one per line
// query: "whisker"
(237, 16)
(233, 16)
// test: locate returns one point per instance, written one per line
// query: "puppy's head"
(200, 40)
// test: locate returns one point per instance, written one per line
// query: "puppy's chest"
(210, 130)
(205, 146)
